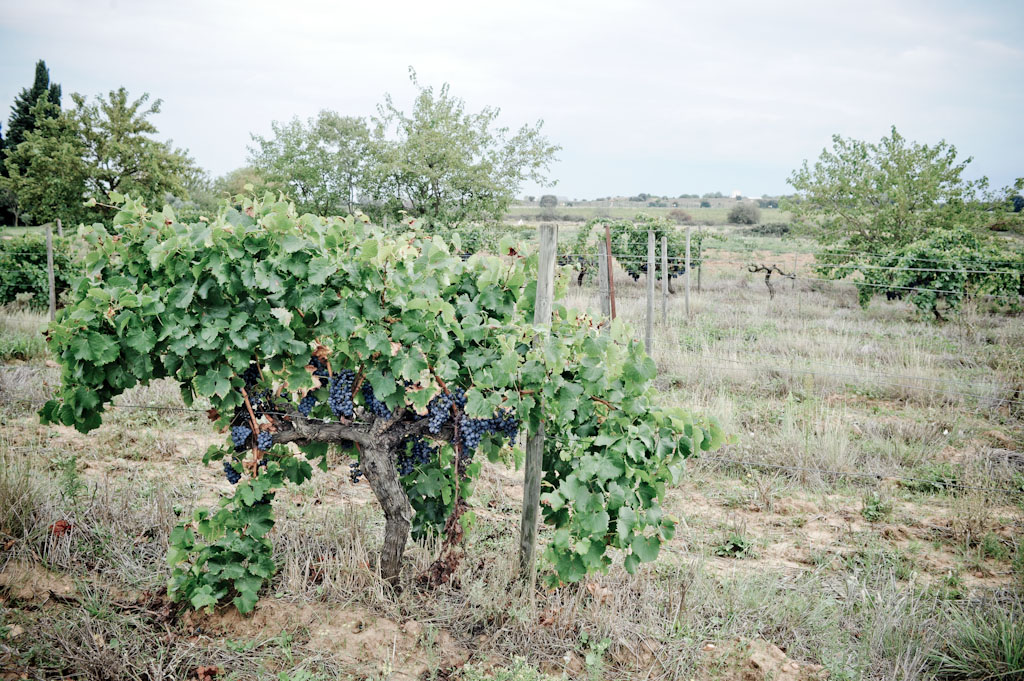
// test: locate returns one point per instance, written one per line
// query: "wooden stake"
(664, 279)
(49, 271)
(602, 276)
(535, 442)
(687, 271)
(611, 267)
(652, 272)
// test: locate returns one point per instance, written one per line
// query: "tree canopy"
(875, 196)
(445, 164)
(23, 119)
(46, 171)
(320, 163)
(121, 153)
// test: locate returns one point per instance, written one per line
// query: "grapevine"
(306, 332)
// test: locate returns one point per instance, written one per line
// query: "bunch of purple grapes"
(373, 404)
(340, 393)
(240, 437)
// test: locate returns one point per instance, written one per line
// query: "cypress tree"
(22, 120)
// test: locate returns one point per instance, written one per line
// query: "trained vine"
(306, 332)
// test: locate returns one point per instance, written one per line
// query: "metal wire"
(853, 474)
(939, 391)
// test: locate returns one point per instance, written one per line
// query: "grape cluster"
(239, 436)
(471, 431)
(373, 404)
(409, 457)
(265, 440)
(306, 404)
(251, 376)
(340, 393)
(440, 408)
(354, 472)
(319, 366)
(230, 472)
(261, 403)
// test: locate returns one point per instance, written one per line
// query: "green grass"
(21, 336)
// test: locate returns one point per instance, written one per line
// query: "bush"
(770, 229)
(23, 269)
(680, 216)
(705, 204)
(548, 201)
(744, 214)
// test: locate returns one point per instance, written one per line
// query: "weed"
(734, 545)
(875, 507)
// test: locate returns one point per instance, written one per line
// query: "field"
(866, 524)
(716, 214)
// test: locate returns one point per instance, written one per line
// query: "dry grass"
(882, 597)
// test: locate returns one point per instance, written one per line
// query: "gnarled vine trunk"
(378, 465)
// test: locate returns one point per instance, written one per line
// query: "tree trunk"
(379, 468)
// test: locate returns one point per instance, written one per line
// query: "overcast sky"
(659, 97)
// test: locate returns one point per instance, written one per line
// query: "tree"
(867, 197)
(319, 163)
(548, 201)
(120, 152)
(318, 332)
(744, 214)
(23, 120)
(447, 165)
(45, 172)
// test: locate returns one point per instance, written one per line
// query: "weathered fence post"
(535, 441)
(602, 275)
(687, 271)
(49, 271)
(700, 259)
(792, 284)
(652, 272)
(611, 267)
(664, 279)
(60, 229)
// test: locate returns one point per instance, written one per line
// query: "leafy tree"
(548, 201)
(23, 119)
(45, 172)
(120, 152)
(319, 163)
(396, 350)
(868, 197)
(744, 214)
(447, 165)
(244, 180)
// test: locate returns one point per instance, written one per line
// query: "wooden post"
(49, 271)
(664, 279)
(602, 276)
(652, 272)
(611, 267)
(687, 271)
(700, 261)
(535, 442)
(60, 229)
(792, 283)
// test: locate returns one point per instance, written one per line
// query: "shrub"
(680, 216)
(770, 229)
(705, 204)
(744, 214)
(548, 201)
(23, 269)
